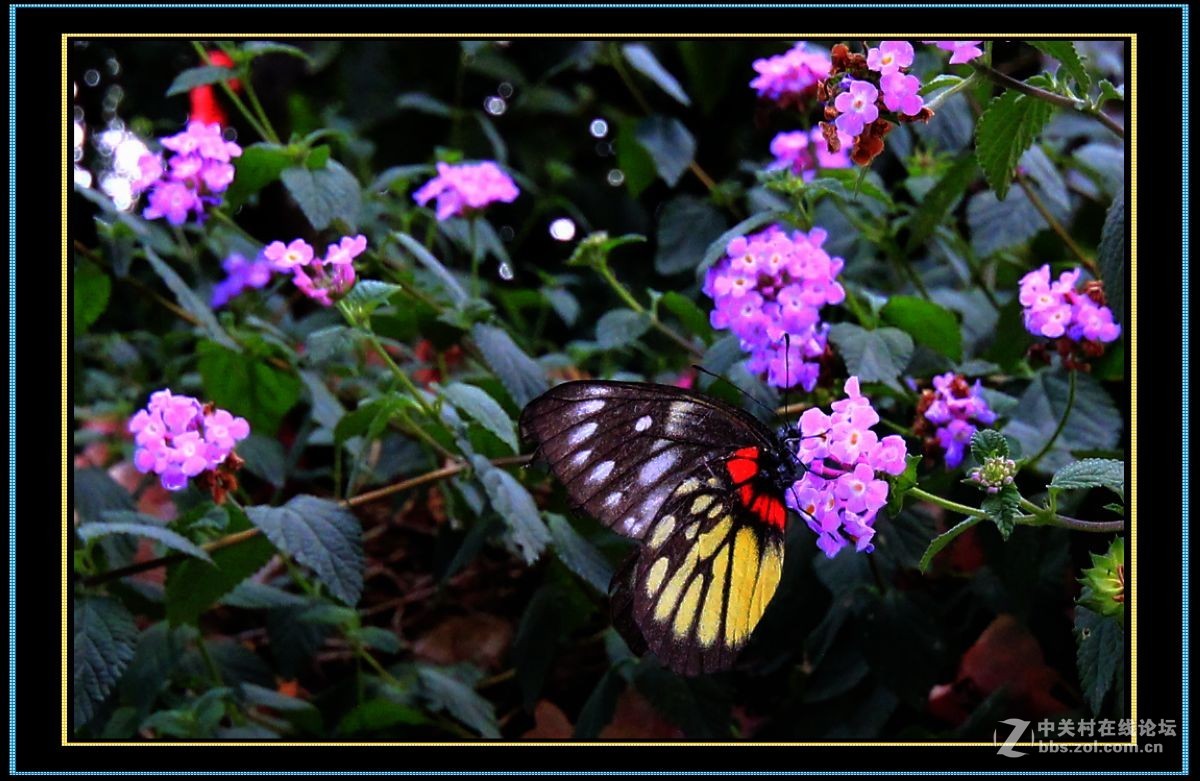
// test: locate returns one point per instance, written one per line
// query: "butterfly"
(699, 483)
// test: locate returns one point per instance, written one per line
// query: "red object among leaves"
(1005, 655)
(205, 107)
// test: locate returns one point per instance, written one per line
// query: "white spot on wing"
(588, 407)
(643, 423)
(601, 471)
(613, 498)
(580, 458)
(657, 467)
(581, 433)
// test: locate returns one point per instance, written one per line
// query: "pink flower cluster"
(194, 177)
(840, 494)
(960, 51)
(774, 283)
(465, 188)
(318, 278)
(1056, 309)
(242, 274)
(789, 77)
(178, 438)
(954, 407)
(900, 91)
(805, 152)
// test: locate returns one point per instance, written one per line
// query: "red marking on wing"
(743, 465)
(769, 509)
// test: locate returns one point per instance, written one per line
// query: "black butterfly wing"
(708, 567)
(621, 448)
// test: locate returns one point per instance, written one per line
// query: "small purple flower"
(805, 152)
(961, 51)
(1054, 309)
(789, 76)
(242, 274)
(173, 200)
(290, 256)
(345, 251)
(201, 166)
(900, 93)
(462, 189)
(890, 57)
(955, 409)
(857, 107)
(176, 439)
(318, 278)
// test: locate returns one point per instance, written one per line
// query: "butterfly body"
(699, 484)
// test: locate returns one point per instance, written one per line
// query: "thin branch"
(1055, 225)
(1050, 97)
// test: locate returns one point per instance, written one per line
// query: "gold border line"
(1132, 455)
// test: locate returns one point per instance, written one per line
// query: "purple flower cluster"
(857, 102)
(790, 76)
(318, 278)
(954, 408)
(178, 438)
(242, 274)
(465, 188)
(1055, 309)
(840, 493)
(961, 51)
(194, 177)
(804, 152)
(774, 283)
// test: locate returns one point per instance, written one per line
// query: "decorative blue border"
(12, 389)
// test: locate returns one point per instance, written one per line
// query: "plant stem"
(945, 95)
(1062, 423)
(258, 108)
(1050, 97)
(622, 291)
(263, 132)
(925, 496)
(1055, 225)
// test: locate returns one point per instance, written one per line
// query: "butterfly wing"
(709, 565)
(621, 448)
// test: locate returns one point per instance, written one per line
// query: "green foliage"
(103, 646)
(1101, 652)
(198, 77)
(1007, 128)
(90, 292)
(321, 535)
(324, 194)
(247, 385)
(926, 322)
(1110, 256)
(669, 145)
(873, 356)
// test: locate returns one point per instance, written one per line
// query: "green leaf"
(379, 638)
(1100, 654)
(1006, 129)
(873, 356)
(645, 63)
(331, 193)
(716, 249)
(536, 642)
(191, 302)
(423, 103)
(564, 302)
(1110, 256)
(367, 295)
(198, 77)
(942, 540)
(927, 323)
(96, 493)
(1109, 92)
(379, 714)
(265, 458)
(522, 377)
(297, 711)
(103, 645)
(693, 317)
(580, 556)
(597, 712)
(1069, 59)
(851, 183)
(1092, 473)
(248, 386)
(686, 227)
(251, 595)
(1094, 423)
(156, 657)
(476, 403)
(620, 327)
(514, 504)
(255, 49)
(193, 585)
(901, 484)
(931, 212)
(443, 690)
(986, 443)
(633, 159)
(323, 536)
(426, 259)
(115, 523)
(1002, 509)
(939, 82)
(317, 157)
(91, 288)
(259, 165)
(333, 341)
(670, 145)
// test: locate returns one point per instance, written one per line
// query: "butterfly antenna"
(735, 386)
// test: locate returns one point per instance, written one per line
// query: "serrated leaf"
(693, 317)
(477, 404)
(521, 376)
(1099, 655)
(1110, 256)
(620, 327)
(645, 63)
(199, 76)
(580, 556)
(117, 523)
(933, 208)
(686, 227)
(323, 536)
(873, 356)
(194, 585)
(986, 443)
(514, 504)
(1002, 509)
(443, 690)
(1109, 92)
(1094, 422)
(367, 295)
(926, 322)
(669, 144)
(426, 259)
(1069, 59)
(103, 645)
(259, 165)
(91, 288)
(96, 493)
(247, 386)
(264, 457)
(328, 194)
(331, 342)
(192, 303)
(1092, 473)
(1005, 130)
(901, 484)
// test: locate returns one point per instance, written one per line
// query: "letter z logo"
(1019, 726)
